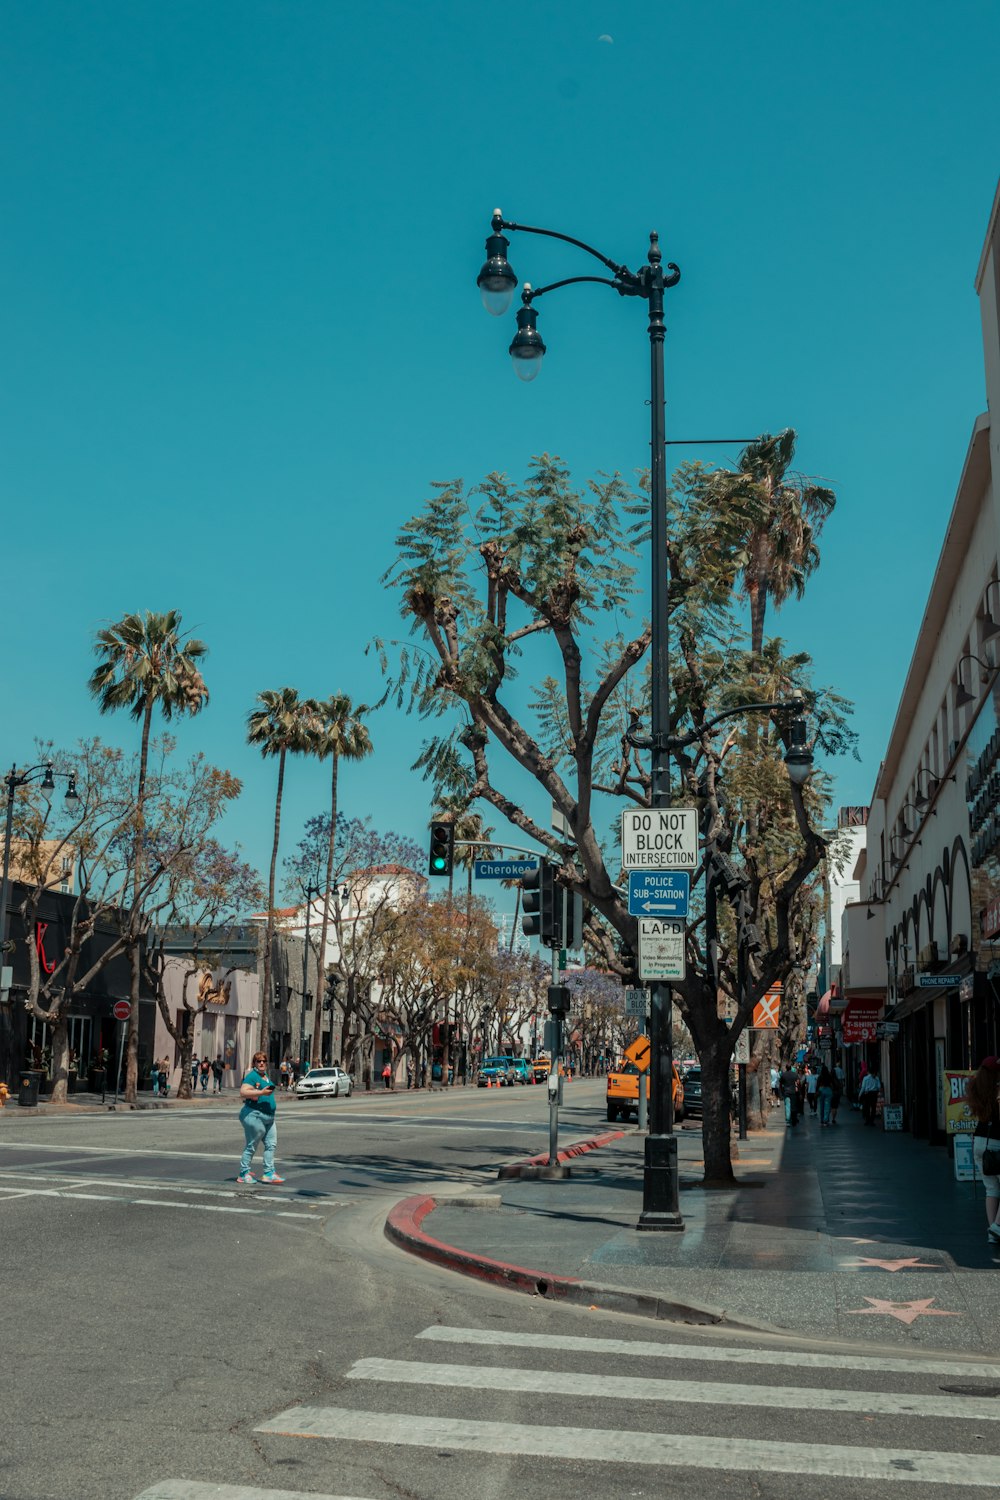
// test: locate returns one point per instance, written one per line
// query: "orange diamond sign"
(765, 1012)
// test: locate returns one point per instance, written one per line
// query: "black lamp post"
(14, 779)
(497, 281)
(309, 892)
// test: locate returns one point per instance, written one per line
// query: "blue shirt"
(267, 1102)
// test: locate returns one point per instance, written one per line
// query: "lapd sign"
(660, 838)
(661, 949)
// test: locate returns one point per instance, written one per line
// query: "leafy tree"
(145, 661)
(784, 515)
(208, 892)
(278, 726)
(338, 733)
(483, 575)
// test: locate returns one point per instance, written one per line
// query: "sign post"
(121, 1011)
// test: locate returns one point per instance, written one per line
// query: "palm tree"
(785, 513)
(277, 726)
(338, 733)
(144, 660)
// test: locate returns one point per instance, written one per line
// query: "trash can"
(96, 1079)
(28, 1087)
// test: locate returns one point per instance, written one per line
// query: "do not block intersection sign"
(662, 838)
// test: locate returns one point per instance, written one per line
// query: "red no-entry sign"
(122, 1010)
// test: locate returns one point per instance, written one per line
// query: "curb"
(403, 1228)
(530, 1167)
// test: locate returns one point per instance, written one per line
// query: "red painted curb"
(402, 1226)
(533, 1163)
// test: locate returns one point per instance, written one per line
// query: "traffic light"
(442, 852)
(542, 903)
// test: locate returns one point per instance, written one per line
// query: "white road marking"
(206, 1208)
(190, 1489)
(693, 1392)
(710, 1353)
(74, 1179)
(74, 1149)
(740, 1455)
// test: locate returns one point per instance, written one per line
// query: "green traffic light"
(439, 863)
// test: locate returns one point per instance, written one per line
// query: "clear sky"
(241, 332)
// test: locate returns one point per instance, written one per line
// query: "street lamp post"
(310, 891)
(497, 283)
(661, 1202)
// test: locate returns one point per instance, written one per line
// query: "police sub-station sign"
(660, 838)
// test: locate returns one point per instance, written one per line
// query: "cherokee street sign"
(662, 838)
(658, 893)
(661, 950)
(503, 869)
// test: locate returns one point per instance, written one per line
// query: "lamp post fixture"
(309, 892)
(14, 779)
(497, 281)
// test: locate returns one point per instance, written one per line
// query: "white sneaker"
(993, 1232)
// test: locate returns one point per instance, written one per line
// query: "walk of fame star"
(906, 1312)
(892, 1265)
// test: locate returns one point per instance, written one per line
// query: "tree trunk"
(325, 924)
(59, 1032)
(757, 591)
(265, 998)
(135, 965)
(715, 1059)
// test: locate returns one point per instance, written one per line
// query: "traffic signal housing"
(442, 851)
(542, 905)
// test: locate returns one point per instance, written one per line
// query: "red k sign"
(48, 965)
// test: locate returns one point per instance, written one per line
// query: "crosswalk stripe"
(190, 1489)
(650, 1448)
(710, 1353)
(690, 1392)
(205, 1208)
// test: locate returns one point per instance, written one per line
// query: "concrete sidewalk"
(863, 1236)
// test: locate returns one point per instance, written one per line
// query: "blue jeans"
(825, 1101)
(791, 1110)
(258, 1127)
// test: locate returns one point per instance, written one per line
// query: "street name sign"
(637, 1002)
(661, 838)
(503, 869)
(658, 893)
(661, 950)
(121, 1010)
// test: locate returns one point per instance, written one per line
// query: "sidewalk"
(864, 1236)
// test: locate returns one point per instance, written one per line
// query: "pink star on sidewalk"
(892, 1265)
(906, 1312)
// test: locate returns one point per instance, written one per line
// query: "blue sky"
(241, 332)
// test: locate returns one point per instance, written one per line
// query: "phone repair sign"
(661, 838)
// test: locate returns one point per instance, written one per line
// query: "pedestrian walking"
(871, 1087)
(205, 1069)
(218, 1069)
(824, 1090)
(812, 1088)
(283, 1074)
(775, 1085)
(194, 1072)
(981, 1097)
(387, 1076)
(163, 1071)
(838, 1093)
(790, 1094)
(257, 1116)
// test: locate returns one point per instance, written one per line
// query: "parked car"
(325, 1082)
(692, 1091)
(495, 1070)
(541, 1068)
(521, 1069)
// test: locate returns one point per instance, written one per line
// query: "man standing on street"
(790, 1094)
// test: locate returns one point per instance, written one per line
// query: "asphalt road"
(165, 1333)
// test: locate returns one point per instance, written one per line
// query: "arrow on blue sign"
(658, 893)
(503, 869)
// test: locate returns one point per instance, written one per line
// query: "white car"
(330, 1082)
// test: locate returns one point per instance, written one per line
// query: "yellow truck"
(623, 1083)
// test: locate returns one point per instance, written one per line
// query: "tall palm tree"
(145, 661)
(278, 726)
(338, 733)
(785, 514)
